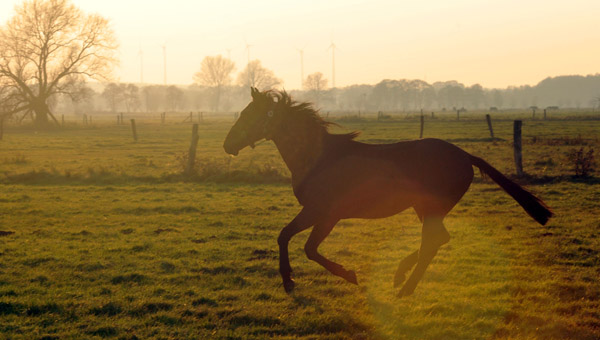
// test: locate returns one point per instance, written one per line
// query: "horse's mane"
(305, 111)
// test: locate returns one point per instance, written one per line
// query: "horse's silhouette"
(335, 177)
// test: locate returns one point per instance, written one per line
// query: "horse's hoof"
(399, 279)
(351, 277)
(404, 291)
(288, 286)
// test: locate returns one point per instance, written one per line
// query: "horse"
(335, 177)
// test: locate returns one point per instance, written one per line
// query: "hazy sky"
(494, 43)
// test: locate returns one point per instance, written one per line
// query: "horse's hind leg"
(434, 235)
(404, 267)
(318, 234)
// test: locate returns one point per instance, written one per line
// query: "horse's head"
(252, 124)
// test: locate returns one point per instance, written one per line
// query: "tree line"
(50, 51)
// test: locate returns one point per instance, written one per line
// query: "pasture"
(102, 237)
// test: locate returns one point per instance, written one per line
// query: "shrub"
(583, 162)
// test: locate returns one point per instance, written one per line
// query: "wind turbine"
(301, 51)
(332, 47)
(248, 65)
(141, 54)
(164, 47)
(247, 49)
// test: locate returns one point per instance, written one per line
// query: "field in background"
(102, 237)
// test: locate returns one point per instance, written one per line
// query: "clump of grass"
(17, 158)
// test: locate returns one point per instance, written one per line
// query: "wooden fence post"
(489, 122)
(134, 130)
(517, 147)
(422, 124)
(544, 114)
(532, 113)
(62, 120)
(189, 169)
(431, 114)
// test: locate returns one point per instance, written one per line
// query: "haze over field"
(493, 43)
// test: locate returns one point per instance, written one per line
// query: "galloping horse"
(335, 177)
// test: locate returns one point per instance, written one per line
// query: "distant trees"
(255, 75)
(51, 47)
(174, 98)
(215, 72)
(113, 95)
(315, 84)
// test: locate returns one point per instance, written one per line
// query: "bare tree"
(174, 98)
(114, 95)
(50, 47)
(315, 83)
(131, 97)
(255, 75)
(215, 72)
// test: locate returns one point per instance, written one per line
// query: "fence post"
(457, 114)
(62, 120)
(489, 121)
(517, 147)
(134, 130)
(431, 114)
(189, 169)
(422, 124)
(544, 114)
(532, 113)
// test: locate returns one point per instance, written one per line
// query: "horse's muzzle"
(230, 150)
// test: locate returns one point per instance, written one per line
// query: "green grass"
(105, 239)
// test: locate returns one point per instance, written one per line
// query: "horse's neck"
(300, 150)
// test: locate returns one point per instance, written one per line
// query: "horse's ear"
(254, 92)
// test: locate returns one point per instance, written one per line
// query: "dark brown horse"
(335, 177)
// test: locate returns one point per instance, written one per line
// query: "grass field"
(101, 237)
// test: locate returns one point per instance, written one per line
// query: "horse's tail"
(534, 206)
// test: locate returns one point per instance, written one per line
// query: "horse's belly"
(374, 198)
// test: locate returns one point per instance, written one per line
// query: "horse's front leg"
(302, 221)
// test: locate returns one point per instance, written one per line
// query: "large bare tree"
(51, 47)
(315, 83)
(215, 72)
(255, 75)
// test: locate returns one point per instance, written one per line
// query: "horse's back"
(370, 180)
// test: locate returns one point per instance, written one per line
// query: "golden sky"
(494, 43)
